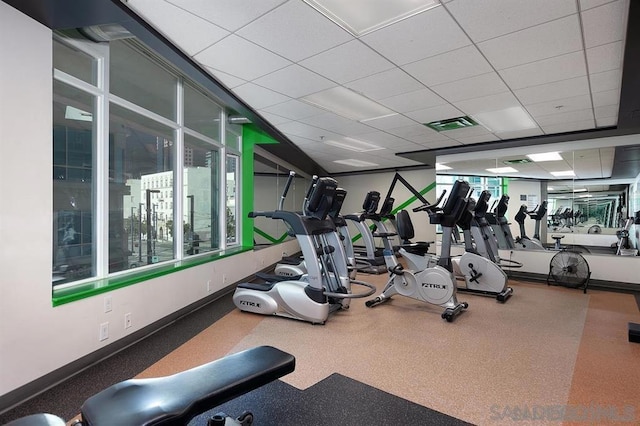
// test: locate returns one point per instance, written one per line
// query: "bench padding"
(38, 420)
(174, 400)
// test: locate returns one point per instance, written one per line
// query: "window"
(140, 162)
(201, 183)
(232, 197)
(136, 77)
(477, 183)
(73, 189)
(119, 192)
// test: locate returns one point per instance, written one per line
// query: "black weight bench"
(175, 399)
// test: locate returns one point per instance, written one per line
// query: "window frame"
(102, 280)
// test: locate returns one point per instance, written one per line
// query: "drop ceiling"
(558, 62)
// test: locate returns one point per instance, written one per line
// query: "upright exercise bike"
(327, 286)
(481, 276)
(436, 284)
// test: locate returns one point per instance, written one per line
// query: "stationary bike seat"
(174, 400)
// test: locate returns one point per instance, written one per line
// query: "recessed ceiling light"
(585, 196)
(355, 163)
(442, 167)
(545, 156)
(347, 103)
(564, 173)
(505, 120)
(354, 145)
(502, 170)
(580, 190)
(360, 17)
(550, 189)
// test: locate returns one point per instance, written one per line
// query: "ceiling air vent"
(451, 124)
(518, 161)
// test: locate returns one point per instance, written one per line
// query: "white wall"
(357, 187)
(36, 338)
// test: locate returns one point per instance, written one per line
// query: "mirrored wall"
(270, 179)
(591, 188)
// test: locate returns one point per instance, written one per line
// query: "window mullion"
(101, 168)
(222, 191)
(178, 180)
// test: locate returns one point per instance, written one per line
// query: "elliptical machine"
(326, 287)
(293, 266)
(524, 242)
(371, 260)
(436, 284)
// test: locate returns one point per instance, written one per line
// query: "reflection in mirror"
(591, 192)
(269, 183)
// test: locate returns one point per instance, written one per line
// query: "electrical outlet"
(108, 304)
(208, 286)
(127, 320)
(104, 331)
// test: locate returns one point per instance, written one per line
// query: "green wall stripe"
(251, 136)
(269, 237)
(412, 199)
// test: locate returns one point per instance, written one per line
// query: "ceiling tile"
(568, 126)
(171, 20)
(606, 122)
(294, 81)
(603, 81)
(306, 131)
(492, 18)
(227, 79)
(521, 133)
(610, 97)
(295, 110)
(567, 117)
(440, 112)
(420, 36)
(605, 57)
(574, 103)
(390, 122)
(385, 84)
(259, 97)
(451, 66)
(545, 71)
(488, 103)
(295, 30)
(273, 118)
(381, 138)
(544, 41)
(441, 144)
(588, 4)
(249, 61)
(478, 139)
(412, 101)
(336, 123)
(551, 91)
(407, 132)
(228, 14)
(606, 111)
(604, 24)
(347, 62)
(473, 87)
(467, 132)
